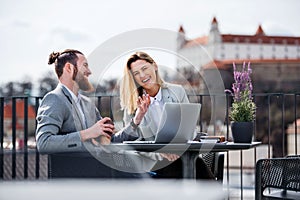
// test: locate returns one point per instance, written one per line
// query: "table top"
(198, 147)
(193, 146)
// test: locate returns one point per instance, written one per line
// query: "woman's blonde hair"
(129, 89)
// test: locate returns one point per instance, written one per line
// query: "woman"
(143, 84)
(143, 94)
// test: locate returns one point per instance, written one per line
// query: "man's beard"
(83, 83)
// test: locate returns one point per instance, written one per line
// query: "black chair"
(277, 178)
(85, 165)
(215, 163)
(210, 167)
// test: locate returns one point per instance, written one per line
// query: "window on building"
(286, 49)
(261, 56)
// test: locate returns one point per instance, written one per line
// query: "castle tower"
(214, 33)
(181, 40)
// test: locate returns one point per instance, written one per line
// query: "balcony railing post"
(13, 124)
(295, 123)
(214, 112)
(111, 106)
(241, 173)
(284, 149)
(37, 155)
(227, 115)
(99, 103)
(201, 111)
(1, 136)
(25, 149)
(269, 128)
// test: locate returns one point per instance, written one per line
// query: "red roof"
(214, 21)
(215, 64)
(19, 110)
(258, 37)
(224, 64)
(181, 30)
(260, 31)
(198, 41)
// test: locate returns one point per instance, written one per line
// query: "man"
(67, 119)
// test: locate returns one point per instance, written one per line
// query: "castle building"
(275, 60)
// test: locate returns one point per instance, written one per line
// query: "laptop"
(177, 124)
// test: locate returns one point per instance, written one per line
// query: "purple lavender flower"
(243, 107)
(242, 82)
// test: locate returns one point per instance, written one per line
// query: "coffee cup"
(103, 139)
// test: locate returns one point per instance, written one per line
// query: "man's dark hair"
(61, 58)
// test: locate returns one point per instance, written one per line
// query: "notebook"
(177, 123)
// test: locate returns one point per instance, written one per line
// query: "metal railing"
(274, 112)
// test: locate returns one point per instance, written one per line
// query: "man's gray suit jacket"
(59, 122)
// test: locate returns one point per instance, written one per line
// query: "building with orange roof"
(20, 115)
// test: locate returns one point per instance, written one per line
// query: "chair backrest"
(84, 165)
(277, 173)
(215, 162)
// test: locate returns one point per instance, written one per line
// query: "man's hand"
(101, 128)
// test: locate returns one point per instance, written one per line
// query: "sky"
(31, 29)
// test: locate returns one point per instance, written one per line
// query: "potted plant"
(243, 108)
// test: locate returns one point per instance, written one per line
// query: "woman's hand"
(170, 156)
(143, 105)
